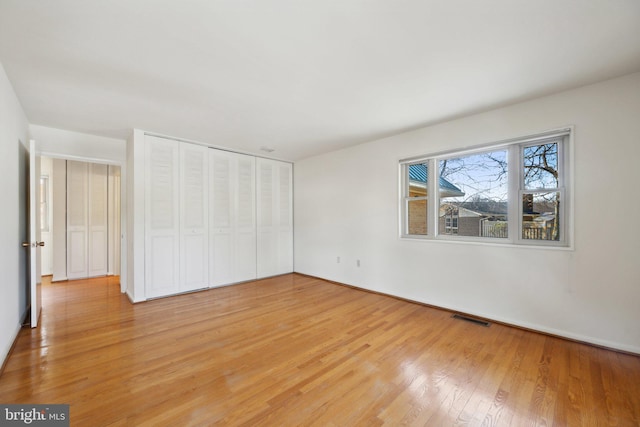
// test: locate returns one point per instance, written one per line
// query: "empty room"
(331, 213)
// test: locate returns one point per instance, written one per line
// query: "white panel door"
(35, 244)
(232, 213)
(97, 220)
(77, 219)
(194, 233)
(162, 217)
(274, 217)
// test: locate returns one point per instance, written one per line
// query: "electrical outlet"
(358, 262)
(338, 260)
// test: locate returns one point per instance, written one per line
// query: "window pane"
(541, 166)
(473, 195)
(417, 217)
(540, 212)
(418, 180)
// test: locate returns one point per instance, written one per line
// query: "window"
(451, 223)
(480, 200)
(508, 192)
(541, 192)
(416, 199)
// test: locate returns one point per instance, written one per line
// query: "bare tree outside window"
(541, 207)
(540, 166)
(514, 192)
(482, 210)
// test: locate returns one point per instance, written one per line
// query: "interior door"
(97, 230)
(35, 276)
(194, 221)
(274, 217)
(162, 217)
(233, 218)
(77, 219)
(221, 238)
(244, 218)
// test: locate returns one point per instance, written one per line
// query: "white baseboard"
(510, 322)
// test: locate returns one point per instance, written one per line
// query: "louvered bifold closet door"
(77, 219)
(274, 218)
(194, 234)
(245, 218)
(162, 217)
(232, 218)
(285, 218)
(221, 230)
(98, 226)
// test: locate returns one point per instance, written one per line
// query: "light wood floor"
(294, 350)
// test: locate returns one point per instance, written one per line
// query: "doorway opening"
(80, 219)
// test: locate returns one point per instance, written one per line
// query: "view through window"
(510, 193)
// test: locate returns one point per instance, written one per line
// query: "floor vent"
(472, 320)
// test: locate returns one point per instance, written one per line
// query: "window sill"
(484, 242)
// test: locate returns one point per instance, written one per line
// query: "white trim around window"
(514, 192)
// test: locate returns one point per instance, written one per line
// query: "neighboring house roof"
(487, 207)
(418, 175)
(461, 212)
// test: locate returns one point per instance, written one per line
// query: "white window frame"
(404, 230)
(516, 190)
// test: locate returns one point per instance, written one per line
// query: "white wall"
(346, 204)
(134, 257)
(13, 131)
(78, 146)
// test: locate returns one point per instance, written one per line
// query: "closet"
(87, 225)
(233, 217)
(176, 226)
(162, 226)
(194, 209)
(213, 217)
(275, 217)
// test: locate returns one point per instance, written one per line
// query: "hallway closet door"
(86, 219)
(233, 220)
(77, 220)
(97, 245)
(275, 217)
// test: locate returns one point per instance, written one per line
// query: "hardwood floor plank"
(295, 350)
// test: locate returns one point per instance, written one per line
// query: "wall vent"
(472, 320)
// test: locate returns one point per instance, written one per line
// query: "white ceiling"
(301, 76)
